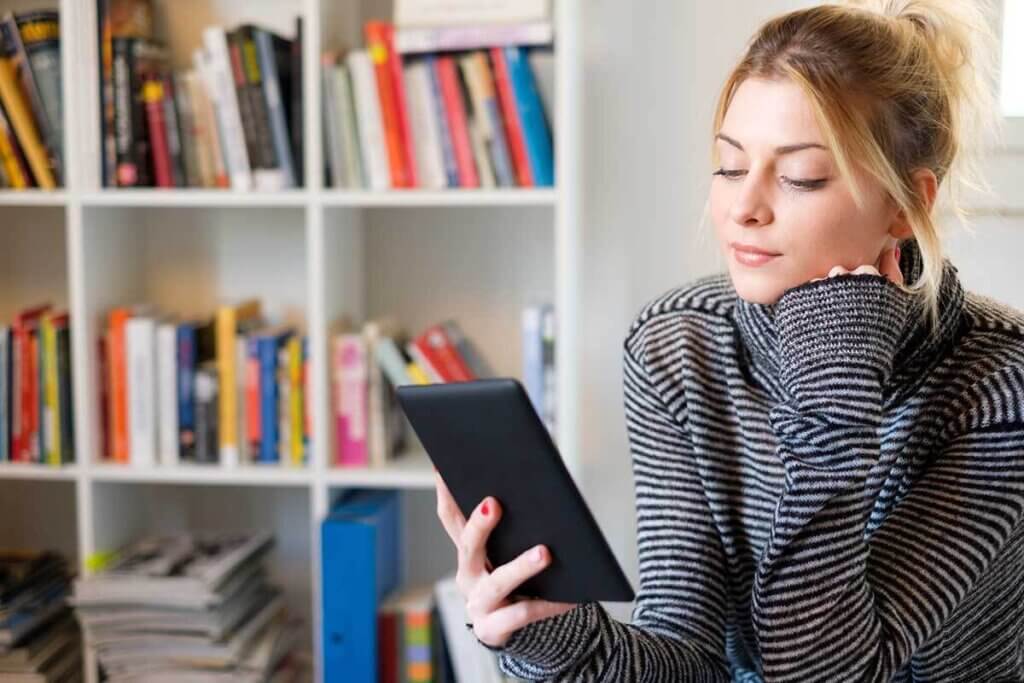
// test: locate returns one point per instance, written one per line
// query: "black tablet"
(486, 439)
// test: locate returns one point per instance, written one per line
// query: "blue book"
(187, 352)
(360, 566)
(268, 343)
(451, 168)
(531, 114)
(271, 49)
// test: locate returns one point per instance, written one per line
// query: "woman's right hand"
(495, 617)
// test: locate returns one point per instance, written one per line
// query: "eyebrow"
(785, 149)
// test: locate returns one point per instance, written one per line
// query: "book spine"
(307, 400)
(173, 130)
(51, 414)
(140, 347)
(104, 395)
(418, 39)
(272, 177)
(284, 431)
(426, 134)
(295, 95)
(227, 416)
(371, 133)
(40, 35)
(510, 116)
(267, 349)
(207, 443)
(334, 153)
(65, 395)
(241, 360)
(451, 166)
(350, 384)
(24, 127)
(17, 387)
(349, 132)
(531, 114)
(5, 400)
(376, 48)
(491, 114)
(186, 366)
(40, 436)
(210, 137)
(225, 98)
(14, 168)
(252, 396)
(457, 124)
(117, 363)
(275, 105)
(108, 143)
(167, 393)
(153, 97)
(295, 398)
(183, 107)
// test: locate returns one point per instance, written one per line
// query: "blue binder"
(360, 565)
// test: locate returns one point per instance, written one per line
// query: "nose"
(752, 206)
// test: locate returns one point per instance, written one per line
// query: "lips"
(750, 249)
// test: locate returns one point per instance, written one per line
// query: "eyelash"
(801, 185)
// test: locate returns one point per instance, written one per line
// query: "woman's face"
(791, 203)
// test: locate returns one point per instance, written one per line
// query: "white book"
(349, 131)
(333, 151)
(371, 127)
(480, 152)
(208, 136)
(140, 350)
(167, 393)
(459, 12)
(225, 100)
(425, 126)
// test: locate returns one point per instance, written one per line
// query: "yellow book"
(24, 126)
(8, 159)
(229, 319)
(416, 373)
(295, 397)
(51, 417)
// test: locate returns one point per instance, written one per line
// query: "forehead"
(768, 113)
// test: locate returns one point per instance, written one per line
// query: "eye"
(805, 185)
(728, 173)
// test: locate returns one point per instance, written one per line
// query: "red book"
(455, 113)
(252, 398)
(438, 349)
(510, 116)
(153, 97)
(387, 91)
(25, 335)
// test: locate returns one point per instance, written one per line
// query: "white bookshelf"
(309, 255)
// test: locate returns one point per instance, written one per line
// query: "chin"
(753, 290)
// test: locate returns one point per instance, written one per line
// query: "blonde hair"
(896, 85)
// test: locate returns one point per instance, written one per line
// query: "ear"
(926, 185)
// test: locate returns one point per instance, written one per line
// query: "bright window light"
(1012, 88)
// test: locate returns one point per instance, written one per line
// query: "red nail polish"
(486, 509)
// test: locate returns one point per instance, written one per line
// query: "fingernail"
(486, 509)
(538, 554)
(897, 253)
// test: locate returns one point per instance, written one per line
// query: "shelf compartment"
(203, 475)
(39, 515)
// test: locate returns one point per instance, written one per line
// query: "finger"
(866, 270)
(496, 627)
(473, 544)
(497, 586)
(448, 511)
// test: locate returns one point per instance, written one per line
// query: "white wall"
(650, 82)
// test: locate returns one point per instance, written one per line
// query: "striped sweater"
(824, 492)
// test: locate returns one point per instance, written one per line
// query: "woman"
(828, 440)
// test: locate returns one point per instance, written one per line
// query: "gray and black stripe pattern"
(824, 492)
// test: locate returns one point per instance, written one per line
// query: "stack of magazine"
(39, 640)
(188, 607)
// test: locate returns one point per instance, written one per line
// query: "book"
(394, 111)
(36, 38)
(372, 144)
(223, 93)
(167, 389)
(231, 320)
(140, 353)
(274, 54)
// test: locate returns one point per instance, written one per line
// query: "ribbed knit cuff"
(849, 323)
(554, 641)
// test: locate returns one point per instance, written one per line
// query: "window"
(1012, 71)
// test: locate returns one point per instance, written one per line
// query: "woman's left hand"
(888, 265)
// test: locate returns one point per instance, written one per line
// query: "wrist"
(849, 323)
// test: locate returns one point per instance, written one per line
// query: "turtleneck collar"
(917, 349)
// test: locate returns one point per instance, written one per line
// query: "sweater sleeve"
(678, 621)
(823, 606)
